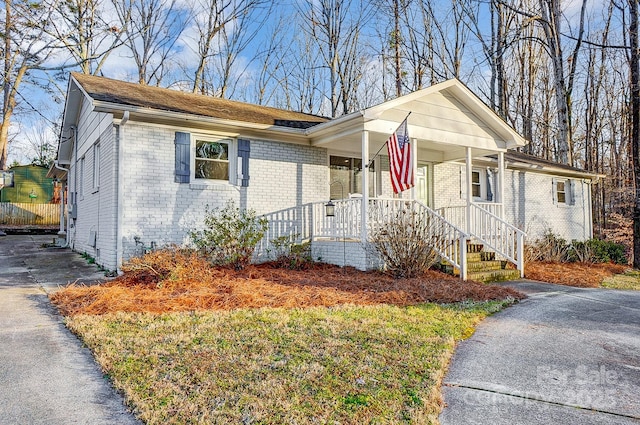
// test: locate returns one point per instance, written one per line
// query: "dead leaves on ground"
(170, 281)
(583, 275)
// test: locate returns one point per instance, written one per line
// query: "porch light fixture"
(330, 209)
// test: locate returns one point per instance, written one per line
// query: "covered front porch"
(450, 131)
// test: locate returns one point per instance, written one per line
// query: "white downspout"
(74, 204)
(120, 189)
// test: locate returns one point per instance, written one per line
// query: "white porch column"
(365, 186)
(469, 189)
(414, 166)
(500, 191)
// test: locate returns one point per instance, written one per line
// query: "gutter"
(108, 107)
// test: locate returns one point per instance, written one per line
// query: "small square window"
(212, 160)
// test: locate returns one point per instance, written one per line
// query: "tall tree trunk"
(634, 64)
(7, 110)
(396, 43)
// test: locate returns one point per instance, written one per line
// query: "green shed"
(30, 185)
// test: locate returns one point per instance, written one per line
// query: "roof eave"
(548, 169)
(182, 117)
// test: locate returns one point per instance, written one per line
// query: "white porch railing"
(504, 238)
(347, 223)
(457, 214)
(488, 227)
(309, 222)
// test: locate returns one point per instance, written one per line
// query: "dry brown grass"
(583, 275)
(172, 281)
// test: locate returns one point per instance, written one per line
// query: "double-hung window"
(212, 159)
(209, 160)
(561, 191)
(476, 184)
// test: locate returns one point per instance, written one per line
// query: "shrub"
(406, 244)
(230, 235)
(550, 247)
(598, 251)
(152, 268)
(289, 254)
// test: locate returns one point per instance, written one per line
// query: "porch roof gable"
(445, 119)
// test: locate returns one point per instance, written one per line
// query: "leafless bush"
(407, 243)
(549, 247)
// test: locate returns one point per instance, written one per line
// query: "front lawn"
(190, 343)
(342, 365)
(629, 280)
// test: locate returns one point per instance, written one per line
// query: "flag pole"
(384, 144)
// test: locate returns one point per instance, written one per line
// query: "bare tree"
(224, 29)
(26, 47)
(82, 29)
(151, 29)
(40, 146)
(335, 26)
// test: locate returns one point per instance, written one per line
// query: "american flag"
(400, 159)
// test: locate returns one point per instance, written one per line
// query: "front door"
(422, 185)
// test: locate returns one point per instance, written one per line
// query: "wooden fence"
(25, 214)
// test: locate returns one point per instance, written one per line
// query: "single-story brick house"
(142, 164)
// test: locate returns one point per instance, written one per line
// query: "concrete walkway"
(563, 356)
(46, 375)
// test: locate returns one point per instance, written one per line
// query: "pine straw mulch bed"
(166, 281)
(582, 275)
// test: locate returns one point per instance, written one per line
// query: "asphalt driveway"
(563, 356)
(46, 375)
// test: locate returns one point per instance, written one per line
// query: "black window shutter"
(183, 157)
(244, 149)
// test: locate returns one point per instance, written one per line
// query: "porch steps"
(482, 266)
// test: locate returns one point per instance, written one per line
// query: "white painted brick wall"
(447, 185)
(96, 208)
(528, 201)
(355, 253)
(158, 210)
(529, 205)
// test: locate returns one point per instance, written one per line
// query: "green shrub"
(598, 251)
(230, 235)
(552, 247)
(289, 254)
